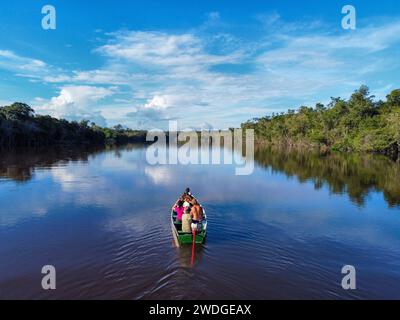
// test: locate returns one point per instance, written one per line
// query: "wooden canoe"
(182, 238)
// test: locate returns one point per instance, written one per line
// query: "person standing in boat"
(196, 213)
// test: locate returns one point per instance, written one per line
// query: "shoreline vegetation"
(21, 127)
(359, 124)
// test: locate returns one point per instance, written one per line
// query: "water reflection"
(353, 174)
(20, 165)
(102, 217)
(189, 256)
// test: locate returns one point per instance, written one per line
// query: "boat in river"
(183, 238)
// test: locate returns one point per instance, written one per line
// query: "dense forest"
(21, 127)
(358, 124)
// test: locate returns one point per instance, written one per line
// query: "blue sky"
(203, 63)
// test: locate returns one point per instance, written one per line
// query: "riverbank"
(21, 127)
(306, 146)
(359, 124)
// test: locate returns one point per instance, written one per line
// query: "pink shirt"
(180, 211)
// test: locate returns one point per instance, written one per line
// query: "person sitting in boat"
(188, 199)
(179, 209)
(196, 213)
(187, 202)
(187, 196)
(186, 221)
(187, 193)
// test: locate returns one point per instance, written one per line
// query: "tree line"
(21, 127)
(360, 123)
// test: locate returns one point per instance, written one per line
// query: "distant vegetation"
(20, 127)
(357, 124)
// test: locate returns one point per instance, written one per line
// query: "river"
(101, 218)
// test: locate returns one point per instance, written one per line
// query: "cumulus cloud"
(176, 99)
(76, 103)
(158, 103)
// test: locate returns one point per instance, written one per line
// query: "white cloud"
(152, 76)
(182, 70)
(77, 95)
(158, 103)
(175, 99)
(158, 51)
(76, 103)
(328, 51)
(105, 77)
(11, 61)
